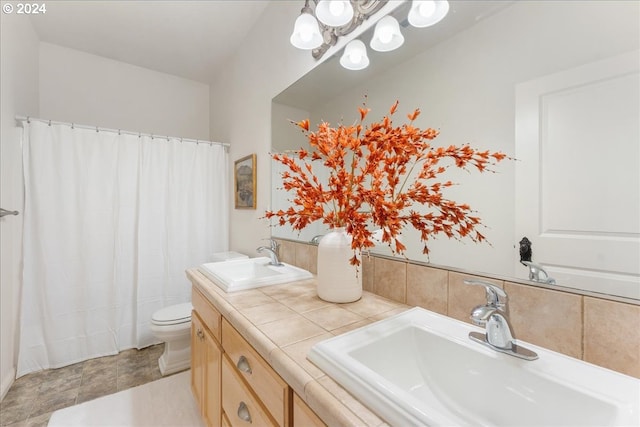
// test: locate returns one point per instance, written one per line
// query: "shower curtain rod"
(29, 119)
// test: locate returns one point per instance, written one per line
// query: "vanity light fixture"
(425, 13)
(322, 22)
(334, 13)
(387, 35)
(355, 56)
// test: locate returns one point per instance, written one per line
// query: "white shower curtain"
(111, 222)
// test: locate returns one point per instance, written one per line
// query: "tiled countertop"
(283, 322)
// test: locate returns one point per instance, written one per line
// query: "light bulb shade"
(334, 13)
(355, 56)
(387, 35)
(425, 13)
(306, 34)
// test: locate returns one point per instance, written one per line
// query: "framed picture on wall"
(244, 174)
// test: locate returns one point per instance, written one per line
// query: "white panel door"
(578, 175)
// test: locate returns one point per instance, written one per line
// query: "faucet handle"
(273, 244)
(535, 272)
(494, 293)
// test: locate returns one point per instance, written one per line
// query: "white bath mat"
(165, 402)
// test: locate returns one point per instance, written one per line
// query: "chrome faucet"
(315, 240)
(538, 274)
(493, 315)
(273, 244)
(272, 254)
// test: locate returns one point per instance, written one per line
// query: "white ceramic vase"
(338, 280)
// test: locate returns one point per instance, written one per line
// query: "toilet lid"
(174, 314)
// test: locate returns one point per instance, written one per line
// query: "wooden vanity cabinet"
(232, 384)
(206, 360)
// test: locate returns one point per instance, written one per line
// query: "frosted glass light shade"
(387, 35)
(355, 56)
(306, 34)
(334, 13)
(425, 13)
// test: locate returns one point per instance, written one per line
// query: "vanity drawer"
(238, 403)
(209, 315)
(272, 390)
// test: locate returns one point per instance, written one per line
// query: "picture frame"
(244, 179)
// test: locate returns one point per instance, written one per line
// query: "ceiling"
(190, 39)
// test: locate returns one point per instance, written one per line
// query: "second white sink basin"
(249, 273)
(420, 368)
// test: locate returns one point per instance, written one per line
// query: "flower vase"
(338, 280)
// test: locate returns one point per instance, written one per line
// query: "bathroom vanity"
(249, 350)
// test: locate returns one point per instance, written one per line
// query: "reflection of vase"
(338, 280)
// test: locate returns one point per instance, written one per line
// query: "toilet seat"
(173, 315)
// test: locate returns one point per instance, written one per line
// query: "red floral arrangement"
(378, 174)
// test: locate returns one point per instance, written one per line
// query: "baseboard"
(7, 382)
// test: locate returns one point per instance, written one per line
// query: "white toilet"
(172, 325)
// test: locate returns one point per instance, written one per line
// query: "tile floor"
(167, 402)
(33, 397)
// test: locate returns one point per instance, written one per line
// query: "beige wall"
(241, 109)
(19, 87)
(91, 90)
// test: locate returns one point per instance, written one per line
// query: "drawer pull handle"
(200, 334)
(243, 365)
(243, 412)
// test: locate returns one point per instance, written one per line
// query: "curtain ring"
(28, 120)
(97, 129)
(119, 132)
(72, 126)
(49, 122)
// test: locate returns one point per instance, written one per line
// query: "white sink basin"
(421, 368)
(242, 274)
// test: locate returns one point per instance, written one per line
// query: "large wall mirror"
(554, 84)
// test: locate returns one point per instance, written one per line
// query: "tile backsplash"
(597, 330)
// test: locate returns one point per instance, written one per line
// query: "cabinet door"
(303, 416)
(198, 353)
(212, 392)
